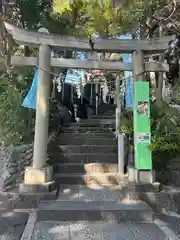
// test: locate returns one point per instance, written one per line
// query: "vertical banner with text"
(142, 131)
(74, 76)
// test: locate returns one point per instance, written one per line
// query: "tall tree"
(100, 17)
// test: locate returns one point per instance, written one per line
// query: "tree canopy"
(80, 17)
(100, 17)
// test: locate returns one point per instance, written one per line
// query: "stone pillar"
(40, 173)
(138, 65)
(134, 175)
(81, 90)
(119, 135)
(159, 85)
(97, 97)
(118, 104)
(42, 108)
(91, 97)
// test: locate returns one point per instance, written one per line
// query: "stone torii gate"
(39, 177)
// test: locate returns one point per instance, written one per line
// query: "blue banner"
(74, 75)
(127, 58)
(81, 55)
(30, 99)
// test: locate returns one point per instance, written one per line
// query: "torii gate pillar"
(140, 170)
(39, 175)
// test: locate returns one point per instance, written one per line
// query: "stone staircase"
(92, 201)
(86, 153)
(82, 212)
(91, 212)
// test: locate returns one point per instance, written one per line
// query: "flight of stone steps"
(92, 202)
(83, 212)
(86, 152)
(95, 213)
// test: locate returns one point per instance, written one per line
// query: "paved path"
(90, 193)
(12, 223)
(97, 230)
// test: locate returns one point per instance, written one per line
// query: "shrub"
(15, 122)
(165, 132)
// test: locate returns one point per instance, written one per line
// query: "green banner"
(142, 131)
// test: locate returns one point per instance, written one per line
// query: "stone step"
(101, 179)
(87, 135)
(81, 129)
(86, 124)
(103, 116)
(86, 139)
(85, 158)
(101, 120)
(86, 168)
(92, 192)
(94, 211)
(30, 200)
(93, 123)
(101, 230)
(107, 112)
(88, 148)
(114, 193)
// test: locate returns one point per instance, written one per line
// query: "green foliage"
(169, 144)
(60, 6)
(165, 126)
(92, 16)
(126, 123)
(28, 13)
(16, 122)
(164, 119)
(83, 17)
(165, 132)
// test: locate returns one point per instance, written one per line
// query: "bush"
(16, 122)
(165, 132)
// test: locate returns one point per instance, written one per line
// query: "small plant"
(126, 123)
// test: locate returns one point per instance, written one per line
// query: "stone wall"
(170, 176)
(174, 171)
(5, 160)
(13, 162)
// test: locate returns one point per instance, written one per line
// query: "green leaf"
(61, 6)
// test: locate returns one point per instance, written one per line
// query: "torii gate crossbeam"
(34, 39)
